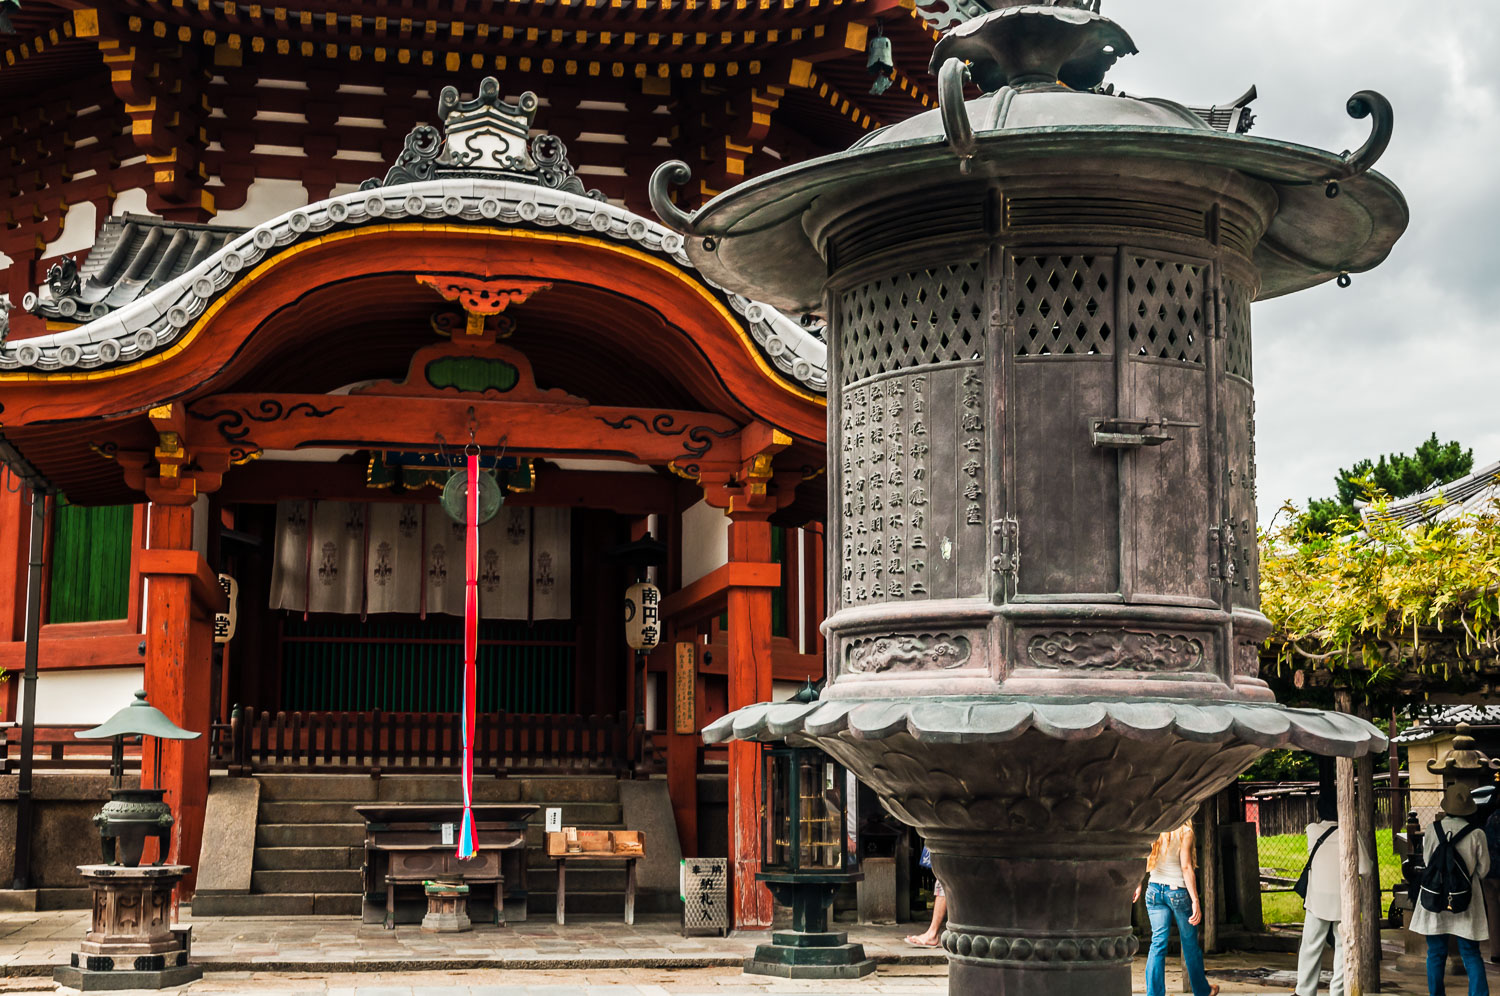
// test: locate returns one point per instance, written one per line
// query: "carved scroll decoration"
(908, 652)
(1117, 650)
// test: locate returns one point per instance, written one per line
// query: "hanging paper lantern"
(642, 615)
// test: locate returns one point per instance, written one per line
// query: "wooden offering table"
(406, 845)
(596, 846)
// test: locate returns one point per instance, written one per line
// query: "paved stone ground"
(32, 943)
(332, 956)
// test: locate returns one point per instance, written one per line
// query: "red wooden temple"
(224, 354)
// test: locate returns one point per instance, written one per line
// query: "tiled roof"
(133, 255)
(1474, 493)
(1442, 720)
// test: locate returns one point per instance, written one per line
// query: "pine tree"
(1397, 475)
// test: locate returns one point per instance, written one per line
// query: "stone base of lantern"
(796, 955)
(810, 950)
(447, 908)
(131, 943)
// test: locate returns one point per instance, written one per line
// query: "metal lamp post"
(805, 860)
(132, 942)
(1042, 646)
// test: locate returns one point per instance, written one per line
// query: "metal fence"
(1281, 816)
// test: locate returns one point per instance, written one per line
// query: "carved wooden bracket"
(483, 299)
(752, 486)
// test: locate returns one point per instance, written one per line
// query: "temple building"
(268, 272)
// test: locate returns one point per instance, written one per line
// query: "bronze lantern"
(805, 860)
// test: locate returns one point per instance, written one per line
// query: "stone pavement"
(33, 943)
(335, 956)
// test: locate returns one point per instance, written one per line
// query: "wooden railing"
(376, 742)
(56, 749)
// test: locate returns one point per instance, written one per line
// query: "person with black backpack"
(1449, 902)
(1319, 889)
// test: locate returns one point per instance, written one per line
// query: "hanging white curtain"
(336, 568)
(354, 557)
(551, 562)
(394, 562)
(289, 568)
(444, 559)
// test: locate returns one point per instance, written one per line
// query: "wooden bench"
(597, 847)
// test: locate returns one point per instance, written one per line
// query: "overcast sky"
(1409, 348)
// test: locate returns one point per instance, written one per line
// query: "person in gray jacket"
(1469, 927)
(1323, 903)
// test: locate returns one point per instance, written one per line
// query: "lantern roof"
(140, 717)
(1040, 68)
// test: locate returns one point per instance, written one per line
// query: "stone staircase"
(309, 842)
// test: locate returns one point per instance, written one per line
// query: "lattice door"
(1164, 313)
(1062, 305)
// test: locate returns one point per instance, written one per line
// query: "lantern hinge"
(1007, 559)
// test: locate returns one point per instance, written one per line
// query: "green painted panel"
(343, 664)
(471, 373)
(90, 563)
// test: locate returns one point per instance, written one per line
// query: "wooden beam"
(1355, 937)
(71, 653)
(713, 586)
(294, 421)
(189, 564)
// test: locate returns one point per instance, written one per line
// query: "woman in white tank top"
(1172, 896)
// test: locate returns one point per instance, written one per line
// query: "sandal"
(916, 941)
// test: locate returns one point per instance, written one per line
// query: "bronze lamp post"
(1042, 646)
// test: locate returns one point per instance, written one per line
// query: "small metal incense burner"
(134, 814)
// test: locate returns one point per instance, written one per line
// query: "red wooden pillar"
(749, 682)
(15, 535)
(181, 596)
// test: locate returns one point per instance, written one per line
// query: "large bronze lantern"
(1044, 602)
(805, 859)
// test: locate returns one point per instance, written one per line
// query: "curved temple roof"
(181, 278)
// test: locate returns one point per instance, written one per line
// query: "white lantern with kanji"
(642, 615)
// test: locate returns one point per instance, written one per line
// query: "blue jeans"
(1164, 905)
(1468, 952)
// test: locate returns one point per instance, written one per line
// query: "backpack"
(1447, 885)
(1301, 887)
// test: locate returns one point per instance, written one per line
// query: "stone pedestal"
(132, 942)
(1039, 914)
(447, 908)
(809, 950)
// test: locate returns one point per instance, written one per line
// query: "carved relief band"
(907, 652)
(1117, 650)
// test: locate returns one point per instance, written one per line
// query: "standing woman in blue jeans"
(1172, 895)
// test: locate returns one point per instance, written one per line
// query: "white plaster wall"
(266, 199)
(79, 226)
(705, 541)
(132, 201)
(90, 695)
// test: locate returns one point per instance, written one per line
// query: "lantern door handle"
(1131, 433)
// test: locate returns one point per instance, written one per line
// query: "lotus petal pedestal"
(1039, 815)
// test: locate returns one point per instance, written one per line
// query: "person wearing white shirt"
(1469, 927)
(1323, 903)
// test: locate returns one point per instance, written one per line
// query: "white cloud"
(1408, 349)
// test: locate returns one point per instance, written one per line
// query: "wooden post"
(1208, 879)
(1354, 937)
(179, 647)
(749, 682)
(1369, 884)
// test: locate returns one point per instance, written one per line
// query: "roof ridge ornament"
(1044, 43)
(485, 136)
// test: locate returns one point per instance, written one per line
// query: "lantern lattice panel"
(1062, 305)
(1237, 329)
(1164, 308)
(927, 316)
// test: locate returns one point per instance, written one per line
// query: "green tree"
(1397, 475)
